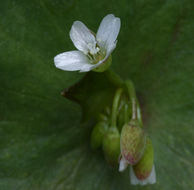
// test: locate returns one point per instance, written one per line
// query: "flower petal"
(81, 36)
(73, 61)
(108, 31)
(122, 164)
(150, 180)
(133, 178)
(152, 177)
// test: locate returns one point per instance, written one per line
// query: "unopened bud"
(111, 146)
(98, 133)
(132, 142)
(144, 167)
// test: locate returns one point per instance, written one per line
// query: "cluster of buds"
(137, 152)
(123, 139)
(106, 134)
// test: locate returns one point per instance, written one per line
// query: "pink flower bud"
(132, 142)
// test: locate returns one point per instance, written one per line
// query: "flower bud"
(151, 179)
(98, 133)
(111, 146)
(132, 142)
(144, 167)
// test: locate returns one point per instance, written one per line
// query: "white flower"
(151, 179)
(92, 50)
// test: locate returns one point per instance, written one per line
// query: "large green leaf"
(44, 145)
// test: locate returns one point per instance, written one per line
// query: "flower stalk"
(115, 107)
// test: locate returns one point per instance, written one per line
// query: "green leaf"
(44, 142)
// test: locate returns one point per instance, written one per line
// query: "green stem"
(126, 113)
(118, 82)
(132, 96)
(139, 115)
(115, 107)
(114, 78)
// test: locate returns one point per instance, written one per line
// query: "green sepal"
(111, 146)
(98, 133)
(144, 167)
(104, 66)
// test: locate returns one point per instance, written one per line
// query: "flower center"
(93, 49)
(95, 54)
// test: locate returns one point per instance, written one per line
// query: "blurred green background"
(43, 145)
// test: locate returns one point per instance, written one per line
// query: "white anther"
(92, 48)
